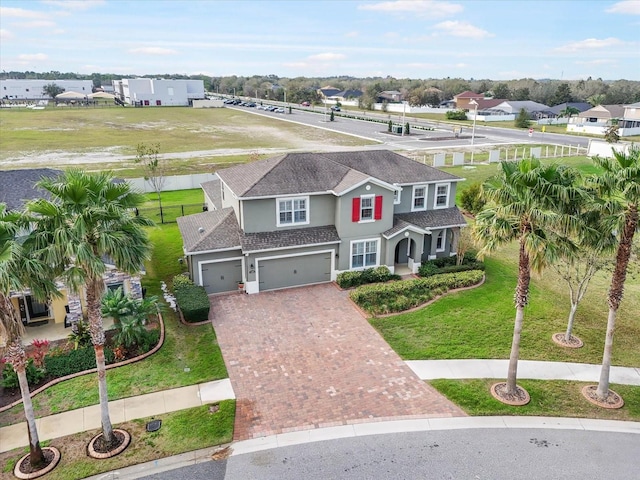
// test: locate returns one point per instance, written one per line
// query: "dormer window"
(293, 211)
(441, 199)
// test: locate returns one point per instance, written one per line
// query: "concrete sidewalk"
(527, 369)
(88, 418)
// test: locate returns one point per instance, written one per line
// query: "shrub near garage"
(192, 299)
(449, 265)
(362, 277)
(393, 297)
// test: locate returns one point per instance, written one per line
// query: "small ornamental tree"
(611, 134)
(390, 126)
(406, 128)
(523, 120)
(52, 90)
(331, 118)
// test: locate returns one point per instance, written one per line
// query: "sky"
(497, 40)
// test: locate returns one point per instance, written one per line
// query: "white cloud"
(327, 57)
(590, 44)
(600, 61)
(7, 12)
(28, 57)
(75, 4)
(36, 24)
(462, 29)
(153, 51)
(59, 31)
(420, 7)
(5, 34)
(631, 7)
(351, 34)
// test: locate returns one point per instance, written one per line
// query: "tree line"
(429, 91)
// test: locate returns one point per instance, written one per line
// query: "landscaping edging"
(39, 473)
(367, 315)
(184, 322)
(94, 370)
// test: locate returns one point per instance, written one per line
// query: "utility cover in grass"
(154, 425)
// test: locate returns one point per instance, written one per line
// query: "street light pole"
(404, 107)
(285, 100)
(473, 130)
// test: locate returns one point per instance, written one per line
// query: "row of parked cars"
(242, 103)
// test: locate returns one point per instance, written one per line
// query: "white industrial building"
(19, 89)
(158, 92)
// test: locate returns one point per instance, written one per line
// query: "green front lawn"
(478, 323)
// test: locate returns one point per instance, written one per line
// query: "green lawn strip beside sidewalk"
(182, 431)
(549, 398)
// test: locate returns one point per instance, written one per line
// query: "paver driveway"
(305, 358)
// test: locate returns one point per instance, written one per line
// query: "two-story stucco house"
(302, 218)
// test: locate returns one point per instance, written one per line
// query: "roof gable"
(213, 230)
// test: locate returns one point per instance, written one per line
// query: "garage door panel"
(293, 271)
(221, 277)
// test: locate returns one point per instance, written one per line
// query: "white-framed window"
(364, 253)
(366, 208)
(440, 241)
(293, 211)
(396, 197)
(419, 201)
(441, 198)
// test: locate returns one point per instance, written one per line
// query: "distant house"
(630, 122)
(596, 120)
(557, 110)
(462, 100)
(158, 92)
(534, 109)
(389, 96)
(302, 218)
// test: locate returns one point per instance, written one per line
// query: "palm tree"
(524, 199)
(19, 271)
(91, 217)
(618, 189)
(569, 112)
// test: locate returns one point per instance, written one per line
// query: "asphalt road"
(478, 454)
(419, 140)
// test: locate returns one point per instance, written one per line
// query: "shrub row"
(399, 296)
(75, 361)
(192, 299)
(362, 277)
(428, 270)
(377, 120)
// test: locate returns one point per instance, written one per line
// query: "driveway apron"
(305, 358)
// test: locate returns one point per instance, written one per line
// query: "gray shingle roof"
(17, 186)
(214, 230)
(430, 219)
(252, 242)
(297, 173)
(212, 190)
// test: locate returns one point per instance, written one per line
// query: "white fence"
(173, 182)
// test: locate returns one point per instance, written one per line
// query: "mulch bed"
(574, 342)
(26, 468)
(518, 398)
(101, 445)
(612, 401)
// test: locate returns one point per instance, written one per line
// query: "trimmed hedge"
(192, 299)
(74, 361)
(399, 296)
(362, 277)
(449, 265)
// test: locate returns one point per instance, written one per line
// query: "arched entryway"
(405, 254)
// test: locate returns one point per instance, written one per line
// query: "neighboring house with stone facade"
(302, 218)
(16, 188)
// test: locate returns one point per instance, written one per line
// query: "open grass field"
(100, 138)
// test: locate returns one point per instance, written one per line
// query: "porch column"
(455, 238)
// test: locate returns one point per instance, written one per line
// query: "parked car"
(335, 108)
(306, 104)
(279, 110)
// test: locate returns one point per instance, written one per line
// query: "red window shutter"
(355, 210)
(377, 215)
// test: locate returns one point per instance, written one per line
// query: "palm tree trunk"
(521, 300)
(93, 290)
(616, 292)
(603, 384)
(107, 428)
(35, 451)
(572, 316)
